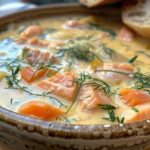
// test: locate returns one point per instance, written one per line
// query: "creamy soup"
(75, 69)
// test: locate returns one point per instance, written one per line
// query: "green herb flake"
(95, 26)
(133, 59)
(79, 50)
(110, 109)
(135, 109)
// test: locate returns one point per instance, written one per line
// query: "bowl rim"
(63, 130)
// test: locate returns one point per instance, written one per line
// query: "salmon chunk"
(133, 97)
(142, 114)
(29, 32)
(126, 34)
(44, 43)
(37, 42)
(40, 110)
(115, 77)
(36, 56)
(90, 98)
(29, 74)
(62, 85)
(72, 24)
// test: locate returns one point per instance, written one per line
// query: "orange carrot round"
(40, 110)
(133, 97)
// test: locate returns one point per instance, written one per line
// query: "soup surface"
(75, 69)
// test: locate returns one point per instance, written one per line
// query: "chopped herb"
(87, 80)
(135, 109)
(95, 26)
(141, 80)
(111, 116)
(107, 52)
(66, 120)
(11, 101)
(120, 120)
(110, 109)
(107, 107)
(78, 50)
(132, 60)
(13, 82)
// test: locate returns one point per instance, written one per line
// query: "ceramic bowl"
(23, 133)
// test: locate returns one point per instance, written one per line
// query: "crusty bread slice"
(92, 3)
(136, 15)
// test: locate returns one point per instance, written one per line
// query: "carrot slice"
(29, 74)
(133, 97)
(62, 85)
(142, 114)
(40, 110)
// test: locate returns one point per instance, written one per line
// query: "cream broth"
(102, 52)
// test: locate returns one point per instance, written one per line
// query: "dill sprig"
(13, 82)
(85, 79)
(79, 50)
(110, 109)
(106, 51)
(79, 81)
(135, 109)
(95, 26)
(133, 59)
(97, 84)
(141, 80)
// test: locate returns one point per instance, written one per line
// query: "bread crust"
(138, 25)
(92, 3)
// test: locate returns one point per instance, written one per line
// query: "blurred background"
(11, 6)
(38, 2)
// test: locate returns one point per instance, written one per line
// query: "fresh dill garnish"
(95, 26)
(107, 107)
(135, 109)
(49, 65)
(133, 59)
(106, 51)
(110, 109)
(79, 50)
(85, 79)
(141, 80)
(11, 101)
(97, 84)
(120, 120)
(13, 82)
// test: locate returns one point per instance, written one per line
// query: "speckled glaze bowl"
(22, 133)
